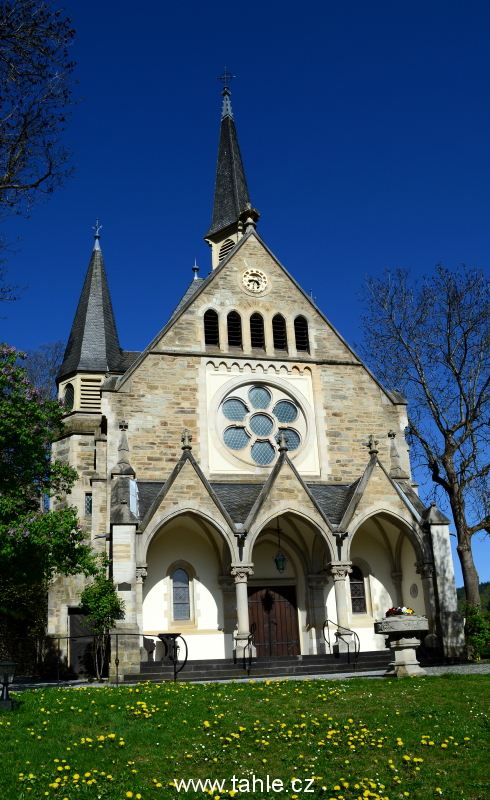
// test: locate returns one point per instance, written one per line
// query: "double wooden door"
(273, 620)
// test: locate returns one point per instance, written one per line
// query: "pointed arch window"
(357, 591)
(69, 396)
(301, 335)
(257, 336)
(279, 332)
(180, 595)
(211, 328)
(234, 323)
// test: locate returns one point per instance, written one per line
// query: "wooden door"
(274, 620)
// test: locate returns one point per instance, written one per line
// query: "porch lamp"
(280, 559)
(7, 673)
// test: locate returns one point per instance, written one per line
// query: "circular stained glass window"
(293, 440)
(261, 425)
(285, 411)
(263, 453)
(259, 397)
(236, 438)
(235, 410)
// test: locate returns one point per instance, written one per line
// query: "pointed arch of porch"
(210, 524)
(323, 535)
(406, 525)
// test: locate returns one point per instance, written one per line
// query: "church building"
(246, 474)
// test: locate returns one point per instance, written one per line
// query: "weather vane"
(225, 78)
(97, 227)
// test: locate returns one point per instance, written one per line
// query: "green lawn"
(416, 738)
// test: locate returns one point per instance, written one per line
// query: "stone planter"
(403, 634)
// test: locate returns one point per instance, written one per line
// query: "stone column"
(317, 613)
(241, 573)
(340, 571)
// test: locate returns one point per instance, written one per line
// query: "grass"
(411, 738)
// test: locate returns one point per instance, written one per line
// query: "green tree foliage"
(101, 604)
(477, 632)
(35, 544)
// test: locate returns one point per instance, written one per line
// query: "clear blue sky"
(364, 128)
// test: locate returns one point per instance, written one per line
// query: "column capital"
(141, 573)
(424, 569)
(340, 569)
(241, 572)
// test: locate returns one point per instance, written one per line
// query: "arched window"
(234, 322)
(257, 337)
(69, 396)
(279, 333)
(225, 248)
(180, 596)
(301, 334)
(211, 328)
(357, 591)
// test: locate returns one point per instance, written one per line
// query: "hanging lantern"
(280, 559)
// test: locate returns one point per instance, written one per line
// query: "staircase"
(272, 667)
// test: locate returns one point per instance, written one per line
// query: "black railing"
(339, 635)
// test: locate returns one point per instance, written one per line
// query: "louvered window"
(301, 334)
(225, 248)
(357, 591)
(211, 328)
(234, 322)
(90, 394)
(257, 332)
(69, 396)
(181, 600)
(279, 333)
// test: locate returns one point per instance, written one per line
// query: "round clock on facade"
(254, 280)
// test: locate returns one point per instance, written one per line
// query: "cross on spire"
(225, 78)
(97, 228)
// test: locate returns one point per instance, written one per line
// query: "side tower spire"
(232, 210)
(93, 345)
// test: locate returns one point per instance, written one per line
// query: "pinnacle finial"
(97, 228)
(195, 269)
(186, 440)
(372, 444)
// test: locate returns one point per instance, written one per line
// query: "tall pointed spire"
(231, 195)
(93, 344)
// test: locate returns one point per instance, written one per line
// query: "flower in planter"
(399, 611)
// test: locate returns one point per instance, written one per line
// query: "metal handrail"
(341, 629)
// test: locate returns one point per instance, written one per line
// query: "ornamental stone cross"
(372, 443)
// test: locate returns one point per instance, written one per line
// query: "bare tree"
(42, 366)
(35, 92)
(430, 340)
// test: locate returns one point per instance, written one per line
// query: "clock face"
(255, 280)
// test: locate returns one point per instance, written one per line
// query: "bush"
(477, 632)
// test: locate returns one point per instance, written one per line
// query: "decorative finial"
(123, 425)
(186, 440)
(396, 470)
(372, 444)
(97, 228)
(226, 78)
(195, 269)
(282, 442)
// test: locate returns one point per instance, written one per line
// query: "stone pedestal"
(403, 637)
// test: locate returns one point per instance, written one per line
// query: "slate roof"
(230, 191)
(238, 499)
(194, 286)
(93, 344)
(332, 499)
(147, 491)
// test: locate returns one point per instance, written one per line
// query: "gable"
(380, 493)
(225, 292)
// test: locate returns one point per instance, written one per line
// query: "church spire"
(93, 344)
(231, 196)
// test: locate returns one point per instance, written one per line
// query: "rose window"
(251, 419)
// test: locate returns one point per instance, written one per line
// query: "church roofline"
(393, 397)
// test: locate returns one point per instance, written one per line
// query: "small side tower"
(93, 348)
(232, 210)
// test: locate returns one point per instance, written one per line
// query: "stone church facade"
(246, 472)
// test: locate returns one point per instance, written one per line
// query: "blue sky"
(364, 129)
